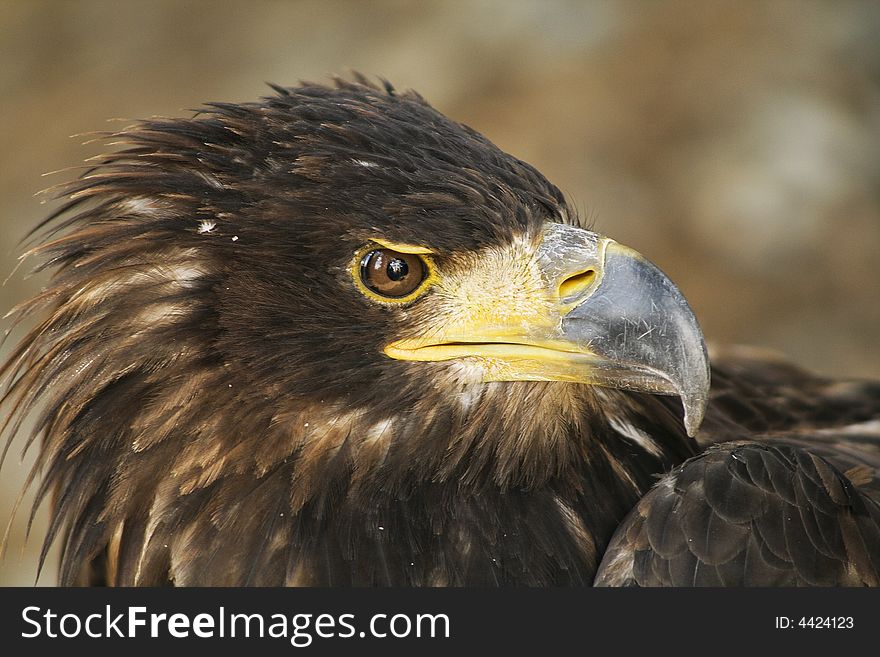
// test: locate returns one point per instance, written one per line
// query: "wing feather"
(798, 521)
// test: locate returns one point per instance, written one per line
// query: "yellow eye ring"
(390, 276)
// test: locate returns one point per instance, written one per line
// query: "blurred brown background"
(735, 143)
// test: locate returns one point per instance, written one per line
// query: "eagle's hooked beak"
(607, 317)
(638, 326)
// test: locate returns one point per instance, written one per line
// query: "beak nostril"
(576, 284)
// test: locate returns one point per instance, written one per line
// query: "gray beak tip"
(694, 411)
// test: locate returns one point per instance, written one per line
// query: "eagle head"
(334, 337)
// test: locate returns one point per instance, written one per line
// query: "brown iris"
(392, 274)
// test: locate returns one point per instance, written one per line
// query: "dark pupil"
(397, 269)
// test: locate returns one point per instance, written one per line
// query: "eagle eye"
(391, 274)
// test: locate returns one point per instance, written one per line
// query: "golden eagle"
(332, 337)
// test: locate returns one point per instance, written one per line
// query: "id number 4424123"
(815, 622)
